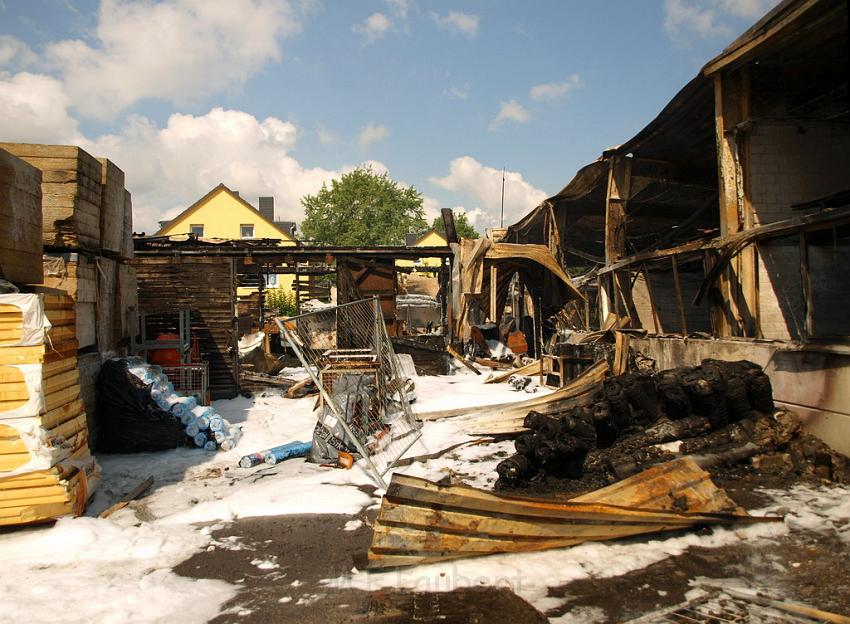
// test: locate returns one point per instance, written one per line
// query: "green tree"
(463, 227)
(362, 208)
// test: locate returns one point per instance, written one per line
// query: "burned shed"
(725, 220)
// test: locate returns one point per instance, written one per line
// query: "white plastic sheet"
(35, 323)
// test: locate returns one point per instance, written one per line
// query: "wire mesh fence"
(363, 406)
(190, 380)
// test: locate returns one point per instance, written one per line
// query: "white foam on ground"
(125, 563)
(88, 570)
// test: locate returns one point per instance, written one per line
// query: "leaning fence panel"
(363, 404)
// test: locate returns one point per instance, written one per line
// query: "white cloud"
(176, 50)
(510, 111)
(484, 185)
(555, 90)
(464, 23)
(372, 133)
(326, 136)
(373, 27)
(431, 207)
(710, 18)
(14, 52)
(461, 94)
(34, 108)
(168, 168)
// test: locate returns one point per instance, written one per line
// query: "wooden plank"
(451, 351)
(526, 369)
(679, 299)
(656, 322)
(806, 281)
(493, 293)
(128, 498)
(621, 354)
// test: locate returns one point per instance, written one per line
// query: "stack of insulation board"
(20, 214)
(46, 469)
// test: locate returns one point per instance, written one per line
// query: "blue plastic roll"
(285, 451)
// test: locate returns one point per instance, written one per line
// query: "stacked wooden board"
(207, 287)
(46, 469)
(20, 214)
(70, 193)
(77, 275)
(76, 221)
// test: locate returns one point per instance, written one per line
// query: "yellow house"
(431, 238)
(222, 213)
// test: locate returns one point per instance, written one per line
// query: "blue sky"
(274, 97)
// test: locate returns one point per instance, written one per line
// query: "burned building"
(722, 228)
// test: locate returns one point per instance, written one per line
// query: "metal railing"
(349, 356)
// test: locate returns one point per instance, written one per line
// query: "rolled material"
(285, 451)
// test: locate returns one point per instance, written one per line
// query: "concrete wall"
(814, 382)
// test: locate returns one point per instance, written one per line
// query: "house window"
(197, 229)
(271, 280)
(246, 230)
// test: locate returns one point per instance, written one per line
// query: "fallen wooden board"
(451, 351)
(128, 497)
(425, 522)
(527, 369)
(504, 418)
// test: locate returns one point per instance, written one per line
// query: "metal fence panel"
(349, 355)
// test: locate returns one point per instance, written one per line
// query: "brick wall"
(666, 304)
(795, 162)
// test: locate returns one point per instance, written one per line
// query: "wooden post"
(806, 280)
(679, 299)
(493, 292)
(449, 223)
(731, 109)
(297, 290)
(616, 198)
(656, 322)
(619, 186)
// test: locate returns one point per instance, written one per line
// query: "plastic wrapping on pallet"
(25, 445)
(129, 420)
(22, 320)
(22, 393)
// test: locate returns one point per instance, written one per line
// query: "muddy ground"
(803, 566)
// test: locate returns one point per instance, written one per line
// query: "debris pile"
(720, 412)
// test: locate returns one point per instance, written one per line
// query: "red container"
(165, 357)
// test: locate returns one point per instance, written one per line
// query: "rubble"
(722, 412)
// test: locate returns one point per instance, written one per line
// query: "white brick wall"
(795, 162)
(790, 163)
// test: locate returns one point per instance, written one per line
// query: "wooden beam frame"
(679, 299)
